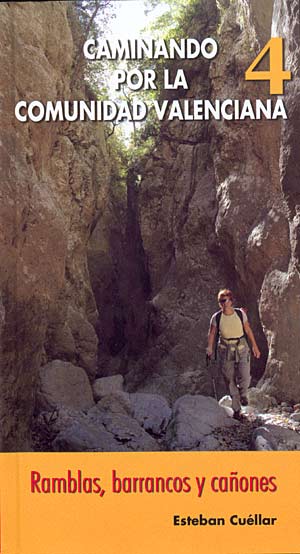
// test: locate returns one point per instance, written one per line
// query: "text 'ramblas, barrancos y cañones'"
(77, 482)
(183, 109)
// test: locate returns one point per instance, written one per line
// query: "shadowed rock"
(63, 384)
(152, 411)
(262, 439)
(107, 385)
(101, 431)
(194, 420)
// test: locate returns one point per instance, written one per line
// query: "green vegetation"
(94, 17)
(175, 22)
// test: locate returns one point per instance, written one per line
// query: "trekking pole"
(208, 360)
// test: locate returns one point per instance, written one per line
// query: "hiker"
(229, 327)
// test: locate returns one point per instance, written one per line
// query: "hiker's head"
(225, 297)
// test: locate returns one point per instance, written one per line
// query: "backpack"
(238, 311)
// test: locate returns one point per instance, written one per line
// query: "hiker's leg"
(228, 371)
(243, 371)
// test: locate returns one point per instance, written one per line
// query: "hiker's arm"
(211, 339)
(251, 337)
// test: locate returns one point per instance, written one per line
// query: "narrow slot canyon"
(112, 256)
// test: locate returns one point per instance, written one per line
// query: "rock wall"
(178, 207)
(120, 280)
(54, 178)
(251, 224)
(217, 208)
(280, 297)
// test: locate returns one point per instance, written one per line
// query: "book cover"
(149, 164)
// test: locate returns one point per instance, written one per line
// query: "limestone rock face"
(54, 175)
(257, 168)
(210, 206)
(281, 287)
(107, 262)
(251, 224)
(178, 208)
(120, 279)
(219, 207)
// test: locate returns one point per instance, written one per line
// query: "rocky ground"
(73, 415)
(276, 429)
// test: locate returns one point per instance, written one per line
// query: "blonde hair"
(225, 292)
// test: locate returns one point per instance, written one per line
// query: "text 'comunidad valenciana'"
(183, 110)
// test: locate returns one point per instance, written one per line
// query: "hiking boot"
(244, 401)
(238, 415)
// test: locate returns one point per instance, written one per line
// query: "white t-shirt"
(230, 325)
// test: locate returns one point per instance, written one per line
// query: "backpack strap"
(239, 312)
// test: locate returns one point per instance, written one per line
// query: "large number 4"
(276, 74)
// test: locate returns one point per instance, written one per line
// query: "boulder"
(171, 384)
(97, 430)
(82, 435)
(124, 430)
(107, 385)
(118, 403)
(295, 417)
(262, 439)
(63, 384)
(286, 439)
(152, 412)
(260, 400)
(194, 419)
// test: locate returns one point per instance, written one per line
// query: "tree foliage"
(175, 21)
(94, 16)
